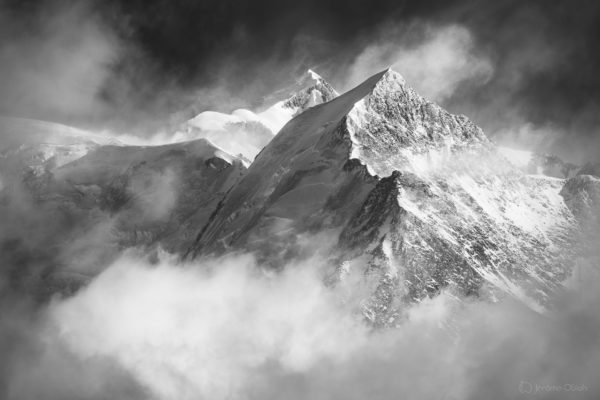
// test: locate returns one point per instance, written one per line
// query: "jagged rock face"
(505, 232)
(420, 200)
(318, 91)
(116, 197)
(393, 125)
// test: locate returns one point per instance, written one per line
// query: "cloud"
(155, 193)
(433, 60)
(225, 328)
(54, 63)
(522, 134)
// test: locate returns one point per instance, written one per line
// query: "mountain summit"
(418, 199)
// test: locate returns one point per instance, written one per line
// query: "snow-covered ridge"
(394, 127)
(31, 131)
(246, 132)
(40, 144)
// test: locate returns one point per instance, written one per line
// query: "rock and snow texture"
(244, 132)
(418, 199)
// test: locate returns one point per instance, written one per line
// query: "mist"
(435, 60)
(227, 328)
(55, 63)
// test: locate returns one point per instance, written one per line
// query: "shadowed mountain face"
(418, 199)
(84, 212)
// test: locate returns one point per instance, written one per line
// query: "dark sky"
(529, 69)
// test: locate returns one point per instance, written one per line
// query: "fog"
(56, 63)
(227, 329)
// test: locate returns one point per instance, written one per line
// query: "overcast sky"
(526, 71)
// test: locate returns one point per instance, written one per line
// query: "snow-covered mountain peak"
(392, 77)
(393, 127)
(316, 91)
(246, 132)
(314, 76)
(419, 198)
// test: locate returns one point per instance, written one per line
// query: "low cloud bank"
(226, 329)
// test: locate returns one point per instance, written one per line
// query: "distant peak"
(389, 73)
(314, 90)
(314, 76)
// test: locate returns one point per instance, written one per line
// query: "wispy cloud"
(435, 60)
(55, 63)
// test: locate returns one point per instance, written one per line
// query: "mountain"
(114, 197)
(87, 196)
(415, 198)
(385, 182)
(244, 132)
